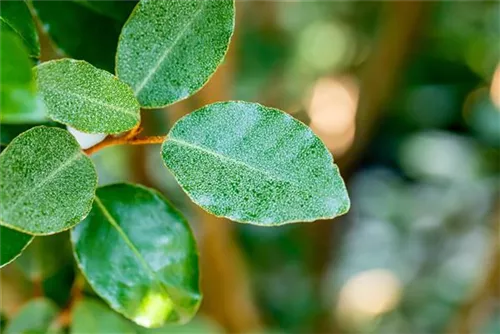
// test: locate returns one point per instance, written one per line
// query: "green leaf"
(118, 10)
(153, 278)
(86, 98)
(97, 33)
(47, 184)
(18, 102)
(36, 317)
(169, 49)
(12, 243)
(254, 164)
(93, 317)
(45, 256)
(15, 17)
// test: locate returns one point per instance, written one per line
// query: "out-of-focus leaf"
(97, 33)
(169, 49)
(118, 10)
(15, 17)
(154, 276)
(12, 243)
(47, 183)
(86, 98)
(36, 317)
(254, 164)
(18, 102)
(93, 317)
(45, 256)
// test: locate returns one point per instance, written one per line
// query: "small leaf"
(169, 49)
(18, 102)
(153, 278)
(47, 184)
(12, 243)
(15, 17)
(37, 316)
(254, 164)
(93, 317)
(86, 98)
(97, 33)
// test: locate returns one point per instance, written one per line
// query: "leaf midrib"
(92, 100)
(238, 162)
(129, 243)
(162, 58)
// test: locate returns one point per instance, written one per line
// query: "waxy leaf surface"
(255, 165)
(12, 243)
(169, 49)
(18, 102)
(47, 184)
(15, 17)
(86, 98)
(139, 255)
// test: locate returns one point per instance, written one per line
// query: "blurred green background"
(406, 95)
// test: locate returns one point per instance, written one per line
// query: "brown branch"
(398, 36)
(125, 140)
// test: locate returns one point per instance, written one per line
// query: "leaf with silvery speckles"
(254, 164)
(47, 183)
(86, 98)
(12, 243)
(169, 49)
(153, 278)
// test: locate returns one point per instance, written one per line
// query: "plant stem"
(126, 139)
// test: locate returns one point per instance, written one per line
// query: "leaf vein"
(162, 58)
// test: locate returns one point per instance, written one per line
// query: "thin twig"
(125, 140)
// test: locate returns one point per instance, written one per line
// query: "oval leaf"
(37, 316)
(154, 276)
(18, 102)
(12, 243)
(169, 49)
(47, 184)
(15, 17)
(254, 164)
(86, 98)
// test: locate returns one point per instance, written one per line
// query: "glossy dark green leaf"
(97, 32)
(93, 317)
(119, 10)
(153, 278)
(86, 98)
(15, 17)
(36, 317)
(12, 243)
(169, 49)
(18, 102)
(47, 183)
(254, 164)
